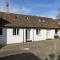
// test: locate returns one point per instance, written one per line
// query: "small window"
(38, 31)
(15, 31)
(0, 31)
(43, 20)
(26, 18)
(56, 31)
(16, 17)
(48, 31)
(39, 20)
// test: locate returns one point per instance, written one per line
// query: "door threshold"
(29, 41)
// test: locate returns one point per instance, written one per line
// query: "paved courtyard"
(38, 50)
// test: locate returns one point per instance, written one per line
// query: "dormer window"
(39, 20)
(43, 20)
(16, 17)
(26, 18)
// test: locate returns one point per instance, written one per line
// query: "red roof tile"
(20, 20)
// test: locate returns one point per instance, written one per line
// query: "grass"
(41, 48)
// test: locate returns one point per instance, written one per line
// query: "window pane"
(14, 31)
(17, 31)
(36, 31)
(0, 31)
(56, 31)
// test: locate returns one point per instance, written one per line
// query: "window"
(43, 20)
(48, 31)
(15, 31)
(0, 31)
(26, 18)
(38, 31)
(39, 20)
(16, 17)
(56, 31)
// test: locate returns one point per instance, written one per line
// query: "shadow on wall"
(3, 22)
(23, 56)
(3, 38)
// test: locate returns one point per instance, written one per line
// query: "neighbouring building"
(19, 28)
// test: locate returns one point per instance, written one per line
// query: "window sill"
(15, 35)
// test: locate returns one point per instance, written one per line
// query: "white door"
(48, 33)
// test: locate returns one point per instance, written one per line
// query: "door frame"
(27, 35)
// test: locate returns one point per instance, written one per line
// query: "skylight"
(43, 20)
(26, 18)
(16, 17)
(39, 20)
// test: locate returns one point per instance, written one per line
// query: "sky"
(46, 8)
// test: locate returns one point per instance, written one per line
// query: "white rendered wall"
(50, 34)
(3, 37)
(33, 36)
(14, 38)
(41, 36)
(58, 33)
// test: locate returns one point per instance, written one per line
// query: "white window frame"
(16, 31)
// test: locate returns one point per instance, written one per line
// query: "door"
(28, 35)
(49, 34)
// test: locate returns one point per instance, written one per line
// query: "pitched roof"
(20, 20)
(58, 21)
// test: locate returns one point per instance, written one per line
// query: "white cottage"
(18, 28)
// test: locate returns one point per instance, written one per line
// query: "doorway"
(28, 35)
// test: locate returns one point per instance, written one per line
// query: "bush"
(56, 36)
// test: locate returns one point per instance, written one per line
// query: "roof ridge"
(28, 15)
